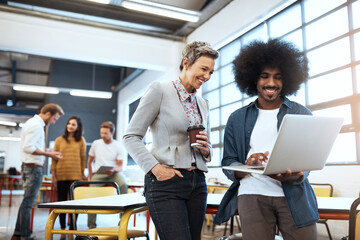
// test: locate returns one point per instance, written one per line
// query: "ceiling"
(35, 70)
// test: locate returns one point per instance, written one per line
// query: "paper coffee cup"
(193, 131)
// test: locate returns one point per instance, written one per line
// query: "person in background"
(271, 71)
(71, 166)
(33, 153)
(106, 152)
(175, 185)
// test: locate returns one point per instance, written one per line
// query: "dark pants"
(177, 206)
(63, 189)
(259, 216)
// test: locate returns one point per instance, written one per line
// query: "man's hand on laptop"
(288, 176)
(257, 159)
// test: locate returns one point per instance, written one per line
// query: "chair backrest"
(91, 189)
(357, 227)
(322, 189)
(354, 222)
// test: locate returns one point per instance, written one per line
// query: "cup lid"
(195, 127)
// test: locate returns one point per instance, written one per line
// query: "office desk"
(336, 208)
(127, 203)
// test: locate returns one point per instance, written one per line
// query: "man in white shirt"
(106, 152)
(33, 155)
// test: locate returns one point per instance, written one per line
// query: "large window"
(329, 33)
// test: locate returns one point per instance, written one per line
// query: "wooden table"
(336, 208)
(128, 204)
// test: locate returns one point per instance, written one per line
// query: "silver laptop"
(303, 143)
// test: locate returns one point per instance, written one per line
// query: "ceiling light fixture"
(15, 139)
(37, 89)
(55, 90)
(101, 1)
(7, 123)
(90, 93)
(162, 10)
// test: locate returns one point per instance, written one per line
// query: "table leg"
(32, 218)
(124, 220)
(1, 184)
(11, 188)
(50, 225)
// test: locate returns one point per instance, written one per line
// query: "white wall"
(57, 39)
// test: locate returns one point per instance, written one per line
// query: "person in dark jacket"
(271, 71)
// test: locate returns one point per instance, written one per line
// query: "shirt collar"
(183, 94)
(40, 120)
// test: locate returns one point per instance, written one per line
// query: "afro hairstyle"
(256, 56)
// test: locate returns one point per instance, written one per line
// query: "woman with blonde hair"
(175, 185)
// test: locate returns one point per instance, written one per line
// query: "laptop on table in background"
(303, 143)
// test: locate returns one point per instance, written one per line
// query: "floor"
(8, 218)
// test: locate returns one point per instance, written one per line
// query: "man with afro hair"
(271, 71)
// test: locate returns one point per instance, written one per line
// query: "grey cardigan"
(161, 110)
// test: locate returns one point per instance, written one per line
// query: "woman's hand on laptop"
(257, 159)
(288, 176)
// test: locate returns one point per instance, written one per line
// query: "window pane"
(230, 93)
(327, 28)
(216, 158)
(300, 95)
(357, 45)
(331, 86)
(343, 111)
(227, 110)
(212, 83)
(356, 15)
(213, 98)
(285, 22)
(358, 78)
(217, 63)
(227, 75)
(315, 8)
(214, 118)
(295, 38)
(329, 57)
(229, 52)
(344, 149)
(258, 33)
(215, 137)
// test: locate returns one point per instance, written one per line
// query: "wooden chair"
(354, 222)
(83, 190)
(323, 190)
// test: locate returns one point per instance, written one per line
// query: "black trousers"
(63, 191)
(177, 206)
